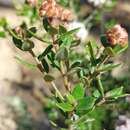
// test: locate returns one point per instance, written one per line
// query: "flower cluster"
(51, 9)
(117, 35)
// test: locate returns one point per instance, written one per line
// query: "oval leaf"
(78, 92)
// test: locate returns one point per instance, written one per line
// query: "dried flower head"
(51, 9)
(117, 35)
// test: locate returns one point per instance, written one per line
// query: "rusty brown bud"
(117, 35)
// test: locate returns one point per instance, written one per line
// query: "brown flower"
(117, 35)
(51, 9)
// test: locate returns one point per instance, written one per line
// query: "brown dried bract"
(117, 35)
(51, 9)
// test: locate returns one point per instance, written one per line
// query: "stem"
(38, 38)
(84, 117)
(42, 71)
(103, 61)
(101, 102)
(70, 127)
(62, 71)
(100, 86)
(57, 91)
(38, 64)
(65, 77)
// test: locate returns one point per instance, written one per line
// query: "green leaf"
(45, 65)
(86, 103)
(13, 34)
(114, 93)
(49, 78)
(62, 54)
(27, 45)
(101, 88)
(78, 91)
(108, 67)
(26, 63)
(62, 29)
(109, 51)
(18, 43)
(96, 94)
(68, 33)
(75, 64)
(75, 43)
(91, 51)
(70, 99)
(45, 52)
(104, 41)
(66, 107)
(67, 41)
(30, 32)
(119, 49)
(48, 27)
(2, 34)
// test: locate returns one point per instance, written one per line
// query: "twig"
(38, 38)
(42, 71)
(62, 71)
(38, 64)
(103, 61)
(57, 91)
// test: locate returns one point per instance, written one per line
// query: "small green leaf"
(75, 43)
(13, 34)
(119, 49)
(30, 32)
(27, 45)
(68, 33)
(108, 67)
(45, 65)
(45, 52)
(48, 27)
(49, 78)
(104, 41)
(114, 93)
(75, 64)
(66, 107)
(109, 51)
(18, 43)
(100, 85)
(62, 29)
(78, 91)
(70, 99)
(91, 51)
(96, 94)
(86, 103)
